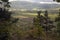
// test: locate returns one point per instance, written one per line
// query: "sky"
(39, 1)
(34, 0)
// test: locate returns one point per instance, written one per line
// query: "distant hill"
(31, 5)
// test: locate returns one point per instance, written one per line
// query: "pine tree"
(37, 23)
(57, 0)
(5, 20)
(57, 20)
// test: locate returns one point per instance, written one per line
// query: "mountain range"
(31, 5)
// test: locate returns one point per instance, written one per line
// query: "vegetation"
(46, 24)
(5, 21)
(31, 26)
(57, 0)
(5, 0)
(58, 25)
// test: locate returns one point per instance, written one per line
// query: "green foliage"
(5, 22)
(58, 0)
(57, 19)
(58, 30)
(40, 32)
(7, 3)
(58, 27)
(5, 0)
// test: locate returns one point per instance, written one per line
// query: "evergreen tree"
(38, 24)
(58, 24)
(5, 21)
(57, 0)
(5, 0)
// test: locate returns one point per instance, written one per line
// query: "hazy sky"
(34, 0)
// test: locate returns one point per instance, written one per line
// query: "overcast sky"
(39, 1)
(34, 0)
